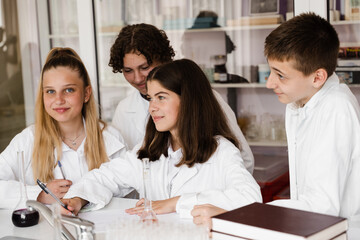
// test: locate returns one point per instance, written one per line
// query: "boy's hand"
(202, 214)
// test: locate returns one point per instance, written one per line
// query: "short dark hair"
(200, 117)
(308, 39)
(144, 39)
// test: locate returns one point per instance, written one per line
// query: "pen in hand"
(47, 191)
(61, 170)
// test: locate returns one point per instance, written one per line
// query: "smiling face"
(64, 94)
(289, 84)
(164, 107)
(136, 69)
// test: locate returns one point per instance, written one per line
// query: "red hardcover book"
(264, 221)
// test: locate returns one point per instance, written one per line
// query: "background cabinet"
(90, 27)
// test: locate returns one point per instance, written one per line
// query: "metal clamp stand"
(84, 228)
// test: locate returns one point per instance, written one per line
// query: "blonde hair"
(47, 132)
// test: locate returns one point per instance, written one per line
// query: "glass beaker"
(23, 216)
(148, 214)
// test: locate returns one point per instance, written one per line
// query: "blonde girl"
(67, 132)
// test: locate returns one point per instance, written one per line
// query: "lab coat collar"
(112, 144)
(178, 155)
(174, 154)
(137, 108)
(294, 109)
(185, 173)
(136, 103)
(66, 148)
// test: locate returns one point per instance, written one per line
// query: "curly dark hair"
(141, 38)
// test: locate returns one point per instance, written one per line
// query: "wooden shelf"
(108, 34)
(345, 22)
(238, 85)
(251, 27)
(227, 29)
(55, 36)
(268, 143)
(116, 85)
(214, 85)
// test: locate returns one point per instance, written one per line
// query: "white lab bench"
(102, 217)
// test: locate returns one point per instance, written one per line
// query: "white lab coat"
(222, 181)
(131, 116)
(73, 162)
(324, 152)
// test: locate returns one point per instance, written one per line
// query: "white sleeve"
(240, 187)
(112, 178)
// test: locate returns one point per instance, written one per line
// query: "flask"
(148, 214)
(23, 216)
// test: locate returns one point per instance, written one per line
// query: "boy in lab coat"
(322, 119)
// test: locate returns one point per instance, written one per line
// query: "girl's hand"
(59, 187)
(74, 205)
(159, 207)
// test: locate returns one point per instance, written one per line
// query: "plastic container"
(264, 72)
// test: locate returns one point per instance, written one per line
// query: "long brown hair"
(200, 117)
(47, 132)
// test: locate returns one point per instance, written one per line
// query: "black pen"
(47, 191)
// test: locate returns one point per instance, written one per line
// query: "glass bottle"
(23, 216)
(148, 215)
(220, 72)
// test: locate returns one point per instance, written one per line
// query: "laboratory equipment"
(23, 216)
(148, 215)
(84, 228)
